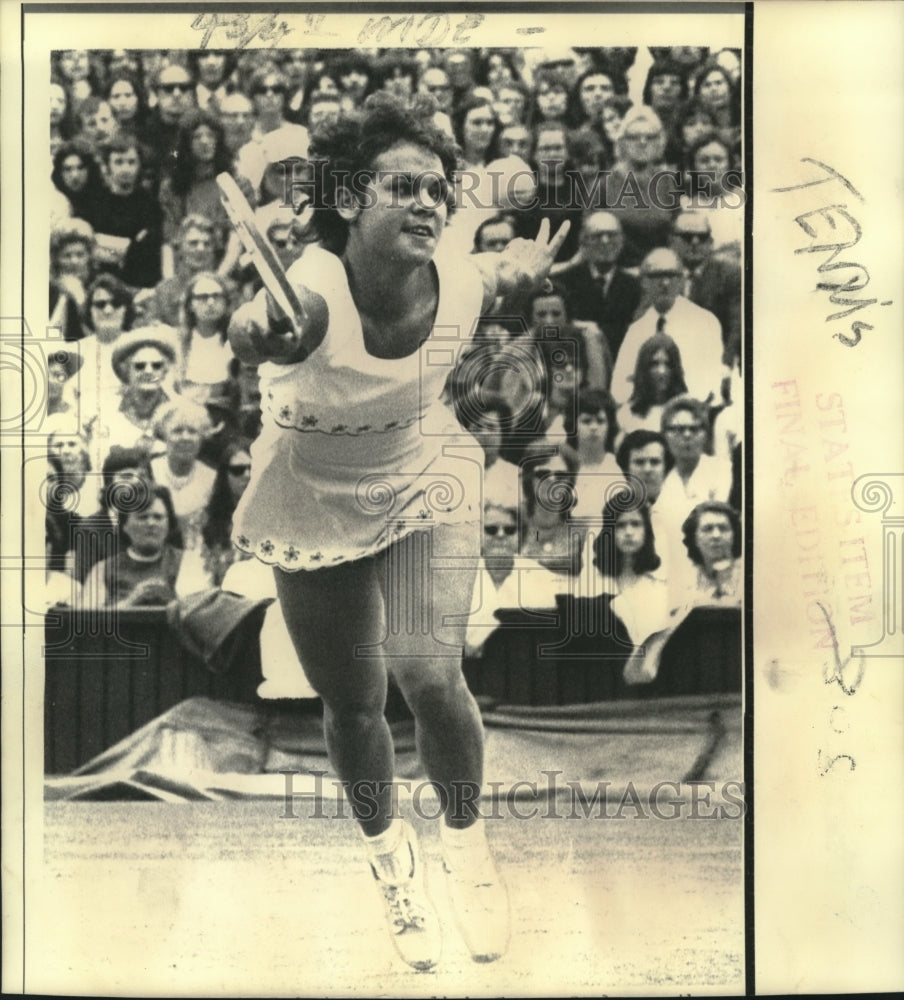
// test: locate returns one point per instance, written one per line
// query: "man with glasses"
(599, 289)
(696, 331)
(711, 281)
(175, 95)
(696, 476)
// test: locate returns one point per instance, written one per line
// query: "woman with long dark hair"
(658, 377)
(625, 561)
(201, 154)
(77, 176)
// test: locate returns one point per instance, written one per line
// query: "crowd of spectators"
(608, 405)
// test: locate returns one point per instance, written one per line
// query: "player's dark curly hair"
(344, 152)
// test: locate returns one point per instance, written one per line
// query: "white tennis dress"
(358, 451)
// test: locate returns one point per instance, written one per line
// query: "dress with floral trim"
(357, 451)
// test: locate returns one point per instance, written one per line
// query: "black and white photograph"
(405, 406)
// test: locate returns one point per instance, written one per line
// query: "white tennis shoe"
(412, 921)
(479, 901)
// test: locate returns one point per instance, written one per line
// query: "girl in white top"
(359, 498)
(208, 356)
(598, 472)
(625, 565)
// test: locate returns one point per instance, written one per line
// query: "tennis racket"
(259, 250)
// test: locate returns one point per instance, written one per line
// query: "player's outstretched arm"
(260, 331)
(522, 266)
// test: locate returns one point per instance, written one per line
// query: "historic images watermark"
(551, 797)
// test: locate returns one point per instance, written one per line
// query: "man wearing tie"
(696, 331)
(711, 281)
(597, 288)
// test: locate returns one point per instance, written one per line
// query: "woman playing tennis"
(366, 494)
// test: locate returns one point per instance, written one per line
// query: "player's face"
(69, 450)
(686, 436)
(174, 93)
(477, 129)
(662, 287)
(692, 240)
(103, 124)
(212, 68)
(75, 258)
(147, 368)
(648, 464)
(237, 117)
(208, 300)
(324, 111)
(404, 217)
(57, 103)
(436, 81)
(712, 158)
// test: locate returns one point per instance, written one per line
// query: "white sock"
(388, 852)
(470, 839)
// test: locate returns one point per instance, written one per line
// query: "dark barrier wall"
(105, 677)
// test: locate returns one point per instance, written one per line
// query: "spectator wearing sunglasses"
(196, 249)
(695, 330)
(143, 362)
(175, 94)
(712, 281)
(232, 476)
(549, 496)
(505, 579)
(108, 314)
(273, 136)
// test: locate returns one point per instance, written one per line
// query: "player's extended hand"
(525, 264)
(253, 342)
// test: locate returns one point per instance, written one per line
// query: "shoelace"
(405, 913)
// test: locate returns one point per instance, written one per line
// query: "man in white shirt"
(696, 331)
